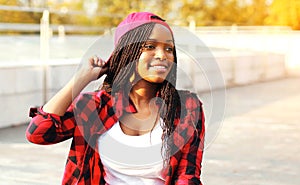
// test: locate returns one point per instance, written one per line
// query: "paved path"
(258, 143)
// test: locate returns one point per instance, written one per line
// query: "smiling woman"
(157, 56)
(138, 128)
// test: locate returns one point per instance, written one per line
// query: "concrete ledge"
(23, 85)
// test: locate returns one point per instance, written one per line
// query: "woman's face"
(157, 56)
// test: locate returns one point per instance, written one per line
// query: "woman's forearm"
(89, 71)
(59, 103)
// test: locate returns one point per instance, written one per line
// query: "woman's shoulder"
(189, 97)
(98, 95)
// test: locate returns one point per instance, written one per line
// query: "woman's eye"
(149, 46)
(169, 49)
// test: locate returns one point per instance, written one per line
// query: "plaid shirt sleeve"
(189, 165)
(45, 128)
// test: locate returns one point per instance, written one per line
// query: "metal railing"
(22, 27)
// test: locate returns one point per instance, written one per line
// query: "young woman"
(138, 129)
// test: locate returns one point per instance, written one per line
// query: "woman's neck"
(143, 92)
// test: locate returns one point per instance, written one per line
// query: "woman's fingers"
(102, 62)
(98, 62)
(99, 66)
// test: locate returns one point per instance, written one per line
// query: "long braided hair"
(122, 65)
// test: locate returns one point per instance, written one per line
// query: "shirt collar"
(123, 103)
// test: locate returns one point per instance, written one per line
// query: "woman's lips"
(159, 68)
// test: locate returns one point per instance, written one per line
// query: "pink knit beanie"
(134, 20)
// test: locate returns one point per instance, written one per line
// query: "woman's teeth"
(159, 67)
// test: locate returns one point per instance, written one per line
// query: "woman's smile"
(159, 68)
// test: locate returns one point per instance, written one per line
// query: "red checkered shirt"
(92, 114)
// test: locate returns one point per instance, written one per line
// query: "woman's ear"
(132, 78)
(135, 77)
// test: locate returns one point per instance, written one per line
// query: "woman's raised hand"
(93, 69)
(90, 70)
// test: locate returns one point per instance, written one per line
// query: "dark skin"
(153, 66)
(141, 122)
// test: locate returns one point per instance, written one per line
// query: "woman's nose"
(160, 54)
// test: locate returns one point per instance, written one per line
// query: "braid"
(122, 62)
(171, 110)
(122, 65)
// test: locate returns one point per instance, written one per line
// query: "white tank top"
(132, 160)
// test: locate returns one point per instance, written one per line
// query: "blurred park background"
(248, 48)
(42, 42)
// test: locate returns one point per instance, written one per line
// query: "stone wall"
(23, 86)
